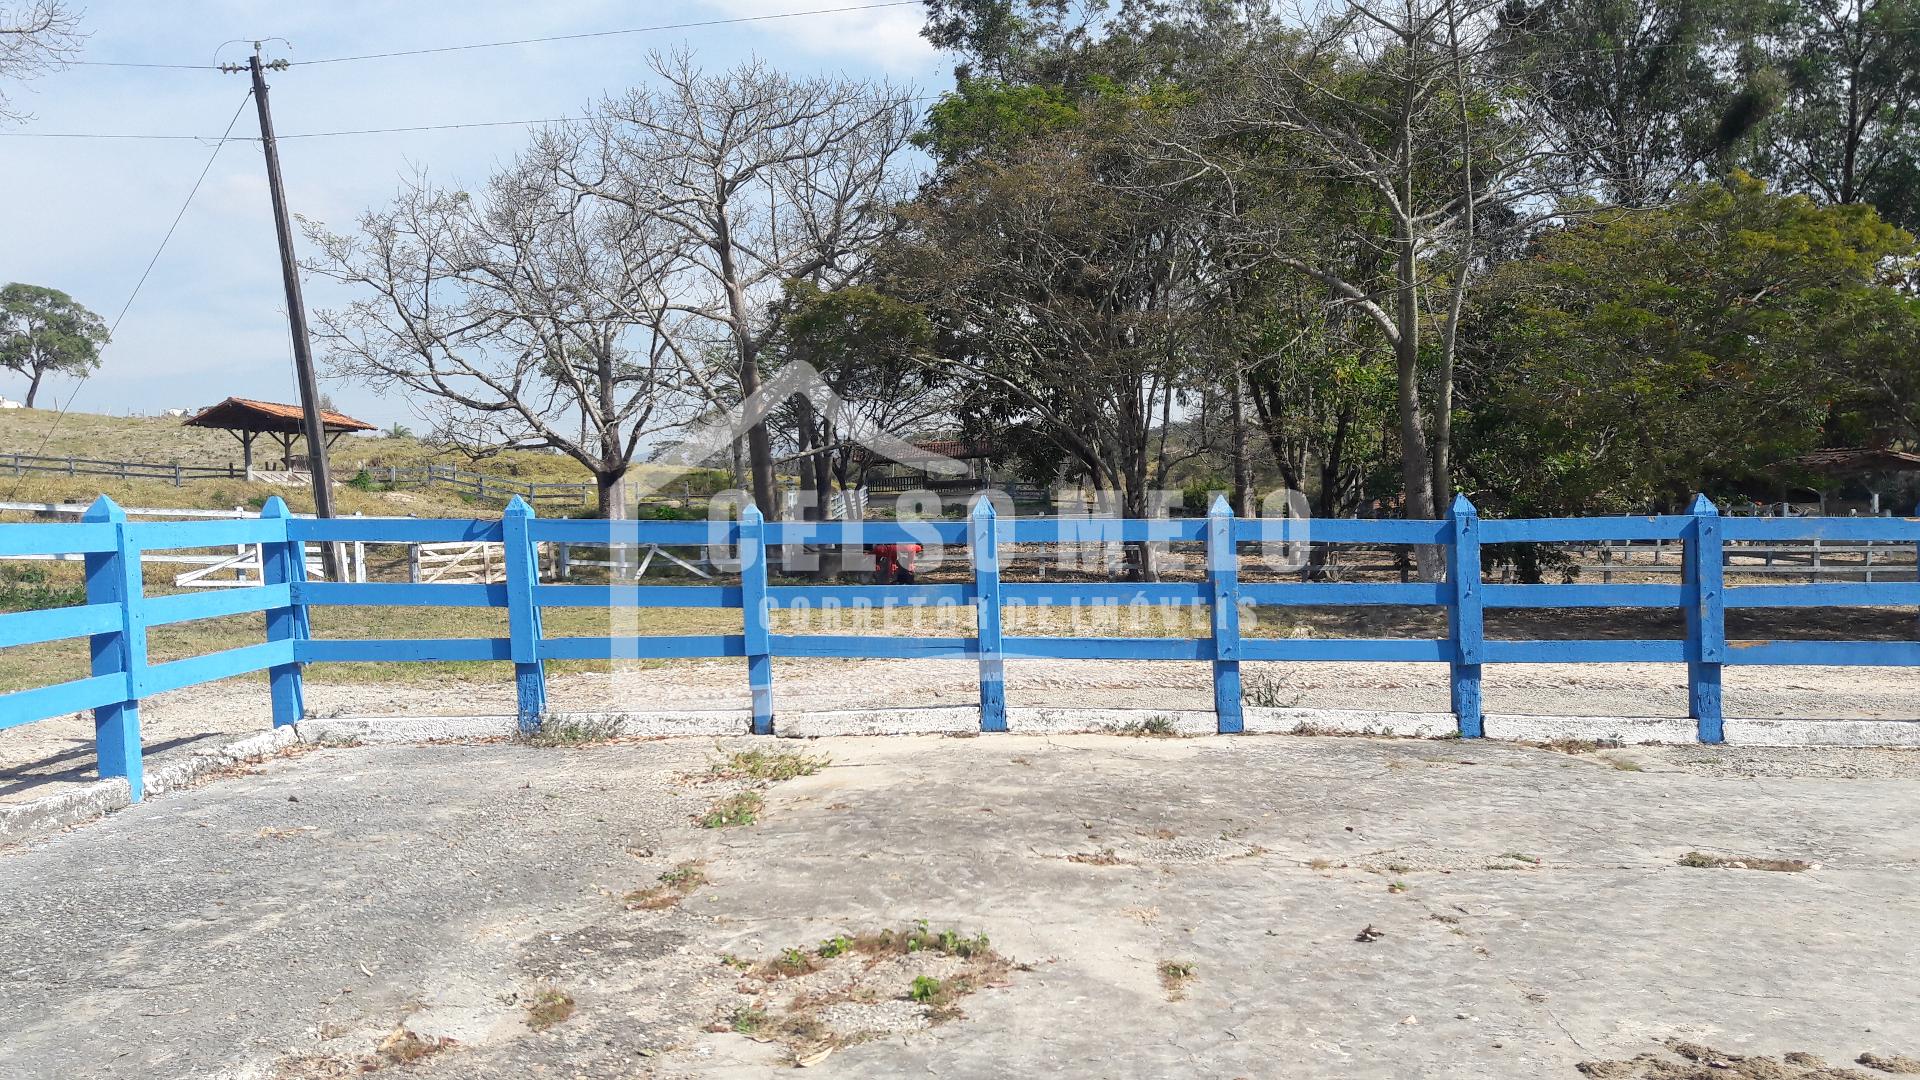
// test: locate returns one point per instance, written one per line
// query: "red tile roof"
(246, 414)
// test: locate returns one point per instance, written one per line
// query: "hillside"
(166, 440)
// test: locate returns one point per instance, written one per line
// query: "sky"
(85, 215)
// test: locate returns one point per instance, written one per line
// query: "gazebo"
(1878, 470)
(245, 419)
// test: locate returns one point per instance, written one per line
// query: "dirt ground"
(37, 757)
(1094, 906)
(56, 752)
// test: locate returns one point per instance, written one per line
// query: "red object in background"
(893, 563)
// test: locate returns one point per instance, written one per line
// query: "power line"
(144, 274)
(108, 135)
(694, 25)
(614, 33)
(132, 64)
(352, 131)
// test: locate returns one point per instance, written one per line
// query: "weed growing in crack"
(768, 766)
(674, 886)
(550, 1006)
(1174, 977)
(1702, 860)
(734, 811)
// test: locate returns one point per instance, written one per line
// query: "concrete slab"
(1523, 910)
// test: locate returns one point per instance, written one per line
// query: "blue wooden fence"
(118, 614)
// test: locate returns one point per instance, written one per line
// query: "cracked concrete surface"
(1527, 908)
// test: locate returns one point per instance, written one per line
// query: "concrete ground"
(1263, 906)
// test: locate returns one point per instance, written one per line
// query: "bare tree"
(529, 316)
(770, 178)
(1400, 100)
(35, 37)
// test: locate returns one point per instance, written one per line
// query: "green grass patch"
(733, 811)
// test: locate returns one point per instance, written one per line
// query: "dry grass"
(673, 886)
(167, 440)
(795, 988)
(1703, 860)
(767, 766)
(404, 1047)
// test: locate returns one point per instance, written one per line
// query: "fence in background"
(118, 615)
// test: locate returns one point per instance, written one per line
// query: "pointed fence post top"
(274, 507)
(751, 514)
(1220, 508)
(1702, 506)
(104, 509)
(1463, 507)
(517, 507)
(983, 508)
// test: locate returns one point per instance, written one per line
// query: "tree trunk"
(605, 481)
(1242, 495)
(1416, 467)
(33, 389)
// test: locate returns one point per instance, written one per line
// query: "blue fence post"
(285, 563)
(983, 540)
(753, 615)
(1465, 617)
(1705, 598)
(113, 577)
(523, 614)
(1223, 580)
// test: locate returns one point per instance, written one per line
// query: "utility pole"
(296, 308)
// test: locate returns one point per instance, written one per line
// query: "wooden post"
(754, 617)
(983, 540)
(285, 563)
(1223, 580)
(1466, 617)
(113, 578)
(1706, 618)
(523, 614)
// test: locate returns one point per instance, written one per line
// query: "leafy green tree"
(1643, 355)
(872, 349)
(44, 331)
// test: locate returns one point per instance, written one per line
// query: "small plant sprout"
(1174, 977)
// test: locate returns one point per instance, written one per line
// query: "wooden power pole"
(296, 307)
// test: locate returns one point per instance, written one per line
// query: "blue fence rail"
(117, 615)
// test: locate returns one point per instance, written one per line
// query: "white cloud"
(888, 38)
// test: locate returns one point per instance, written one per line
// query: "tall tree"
(1404, 102)
(1067, 293)
(1636, 92)
(873, 351)
(770, 178)
(1848, 126)
(527, 316)
(35, 37)
(44, 331)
